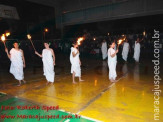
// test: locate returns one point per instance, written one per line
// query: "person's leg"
(19, 83)
(24, 81)
(111, 80)
(80, 79)
(73, 78)
(47, 83)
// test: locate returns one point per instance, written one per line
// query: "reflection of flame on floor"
(123, 89)
(143, 93)
(95, 82)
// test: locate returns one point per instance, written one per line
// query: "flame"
(7, 34)
(123, 35)
(94, 39)
(3, 38)
(120, 41)
(29, 36)
(46, 30)
(144, 33)
(80, 39)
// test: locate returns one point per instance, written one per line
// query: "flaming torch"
(29, 37)
(7, 34)
(80, 39)
(119, 42)
(3, 38)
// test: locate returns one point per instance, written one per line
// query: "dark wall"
(88, 11)
(33, 19)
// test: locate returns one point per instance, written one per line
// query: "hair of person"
(111, 42)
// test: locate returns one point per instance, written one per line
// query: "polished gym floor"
(130, 99)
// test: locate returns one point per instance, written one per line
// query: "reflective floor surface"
(130, 99)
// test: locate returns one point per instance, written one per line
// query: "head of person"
(126, 40)
(16, 45)
(75, 45)
(46, 44)
(138, 39)
(112, 44)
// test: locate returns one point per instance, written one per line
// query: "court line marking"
(101, 93)
(91, 101)
(79, 115)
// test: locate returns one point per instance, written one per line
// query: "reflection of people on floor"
(75, 63)
(112, 95)
(104, 49)
(136, 73)
(104, 68)
(112, 61)
(48, 58)
(125, 50)
(17, 59)
(137, 50)
(124, 69)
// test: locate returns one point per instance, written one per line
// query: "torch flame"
(144, 33)
(120, 41)
(7, 34)
(3, 38)
(46, 30)
(29, 36)
(80, 39)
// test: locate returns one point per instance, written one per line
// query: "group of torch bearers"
(113, 50)
(17, 59)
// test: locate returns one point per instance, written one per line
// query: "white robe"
(115, 48)
(125, 51)
(137, 51)
(112, 62)
(48, 66)
(104, 50)
(16, 67)
(75, 65)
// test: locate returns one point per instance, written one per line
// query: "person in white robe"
(48, 58)
(104, 50)
(137, 50)
(125, 50)
(115, 47)
(75, 63)
(17, 59)
(112, 61)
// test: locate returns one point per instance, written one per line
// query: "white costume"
(48, 65)
(112, 62)
(104, 50)
(115, 48)
(125, 51)
(137, 51)
(16, 67)
(75, 66)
